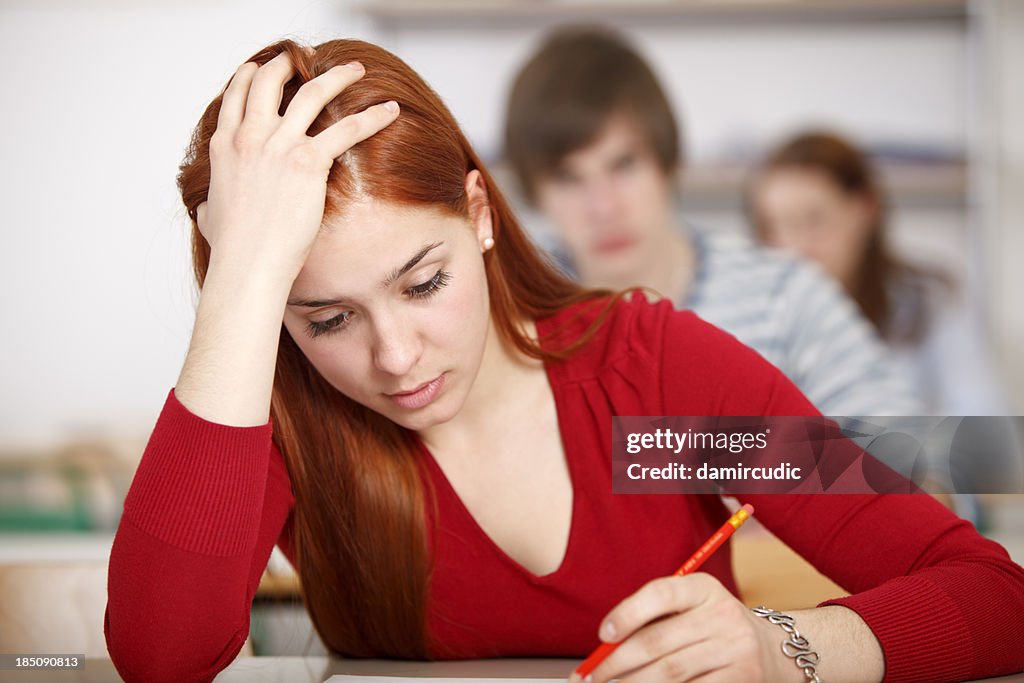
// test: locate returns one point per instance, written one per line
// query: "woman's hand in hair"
(268, 177)
(691, 628)
(268, 187)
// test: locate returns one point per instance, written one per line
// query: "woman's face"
(391, 307)
(804, 210)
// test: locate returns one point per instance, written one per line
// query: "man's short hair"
(565, 94)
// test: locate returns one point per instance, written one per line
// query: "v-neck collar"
(442, 480)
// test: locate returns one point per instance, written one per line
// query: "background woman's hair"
(362, 496)
(884, 282)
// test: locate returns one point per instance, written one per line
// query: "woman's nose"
(397, 347)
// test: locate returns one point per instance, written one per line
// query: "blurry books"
(77, 487)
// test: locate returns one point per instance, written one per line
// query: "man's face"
(610, 202)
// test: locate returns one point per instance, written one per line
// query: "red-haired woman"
(389, 382)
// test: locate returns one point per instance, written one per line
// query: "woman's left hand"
(690, 628)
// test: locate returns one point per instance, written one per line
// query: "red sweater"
(209, 502)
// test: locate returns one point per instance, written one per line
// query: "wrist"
(269, 270)
(791, 656)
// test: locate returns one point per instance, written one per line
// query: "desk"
(317, 669)
(52, 547)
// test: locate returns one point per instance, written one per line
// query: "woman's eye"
(421, 291)
(625, 163)
(315, 328)
(565, 178)
(431, 286)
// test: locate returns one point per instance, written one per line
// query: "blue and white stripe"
(800, 320)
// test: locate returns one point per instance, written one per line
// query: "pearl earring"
(488, 243)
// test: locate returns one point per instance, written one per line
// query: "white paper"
(353, 678)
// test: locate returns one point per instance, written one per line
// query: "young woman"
(388, 381)
(818, 195)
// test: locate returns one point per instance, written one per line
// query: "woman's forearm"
(228, 372)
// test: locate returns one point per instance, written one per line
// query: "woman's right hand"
(268, 177)
(268, 186)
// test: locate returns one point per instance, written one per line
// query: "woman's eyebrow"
(394, 275)
(409, 265)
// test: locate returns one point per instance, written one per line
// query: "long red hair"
(360, 527)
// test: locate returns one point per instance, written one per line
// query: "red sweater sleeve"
(204, 510)
(945, 603)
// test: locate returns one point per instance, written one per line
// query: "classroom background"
(98, 297)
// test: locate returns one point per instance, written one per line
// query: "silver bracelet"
(795, 646)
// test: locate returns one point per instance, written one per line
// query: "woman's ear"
(480, 209)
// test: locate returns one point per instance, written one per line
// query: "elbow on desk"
(142, 653)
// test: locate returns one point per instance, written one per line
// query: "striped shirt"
(798, 319)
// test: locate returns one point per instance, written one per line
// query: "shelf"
(55, 547)
(719, 187)
(932, 185)
(486, 11)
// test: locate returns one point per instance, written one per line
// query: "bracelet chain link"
(796, 646)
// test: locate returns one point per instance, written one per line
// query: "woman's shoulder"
(631, 326)
(678, 363)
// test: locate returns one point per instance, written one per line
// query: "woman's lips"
(614, 244)
(421, 396)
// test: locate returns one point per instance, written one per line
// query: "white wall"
(99, 102)
(1000, 178)
(881, 80)
(739, 87)
(100, 97)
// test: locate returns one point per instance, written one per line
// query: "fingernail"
(355, 65)
(391, 105)
(574, 677)
(589, 679)
(608, 632)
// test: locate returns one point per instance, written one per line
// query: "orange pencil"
(691, 565)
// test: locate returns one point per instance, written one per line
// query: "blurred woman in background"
(819, 195)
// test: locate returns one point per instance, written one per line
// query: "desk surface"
(317, 669)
